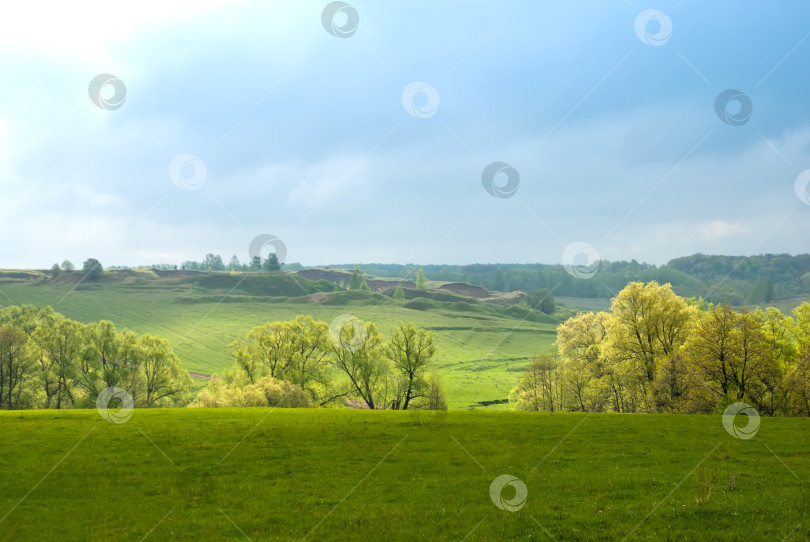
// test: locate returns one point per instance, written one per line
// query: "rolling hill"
(482, 347)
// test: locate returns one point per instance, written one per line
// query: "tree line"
(737, 280)
(659, 352)
(214, 262)
(49, 361)
(305, 362)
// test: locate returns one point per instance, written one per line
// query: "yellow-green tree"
(649, 325)
(797, 381)
(539, 388)
(587, 378)
(358, 353)
(410, 350)
(59, 350)
(294, 350)
(16, 368)
(165, 382)
(421, 281)
(733, 357)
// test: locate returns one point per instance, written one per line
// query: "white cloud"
(86, 28)
(97, 199)
(716, 230)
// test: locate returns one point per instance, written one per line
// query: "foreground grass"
(273, 474)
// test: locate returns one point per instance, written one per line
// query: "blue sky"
(304, 135)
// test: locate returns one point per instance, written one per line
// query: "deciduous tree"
(92, 268)
(16, 367)
(410, 350)
(362, 361)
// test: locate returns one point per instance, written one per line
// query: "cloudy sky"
(222, 120)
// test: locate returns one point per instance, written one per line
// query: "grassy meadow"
(281, 474)
(482, 350)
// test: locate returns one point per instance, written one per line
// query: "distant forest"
(737, 280)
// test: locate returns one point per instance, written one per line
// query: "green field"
(275, 474)
(481, 349)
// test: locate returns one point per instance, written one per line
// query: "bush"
(232, 390)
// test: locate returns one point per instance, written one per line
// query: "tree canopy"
(319, 366)
(49, 361)
(658, 352)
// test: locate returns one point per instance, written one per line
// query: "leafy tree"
(587, 377)
(271, 263)
(308, 360)
(421, 281)
(213, 262)
(722, 347)
(362, 363)
(712, 349)
(797, 382)
(399, 293)
(92, 268)
(674, 386)
(410, 350)
(66, 364)
(756, 369)
(166, 383)
(649, 325)
(541, 300)
(67, 265)
(539, 389)
(16, 367)
(658, 352)
(59, 347)
(256, 263)
(434, 398)
(294, 351)
(116, 354)
(798, 375)
(267, 350)
(357, 282)
(234, 264)
(55, 271)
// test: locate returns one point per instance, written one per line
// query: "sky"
(402, 132)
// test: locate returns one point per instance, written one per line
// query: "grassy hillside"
(737, 280)
(272, 474)
(481, 348)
